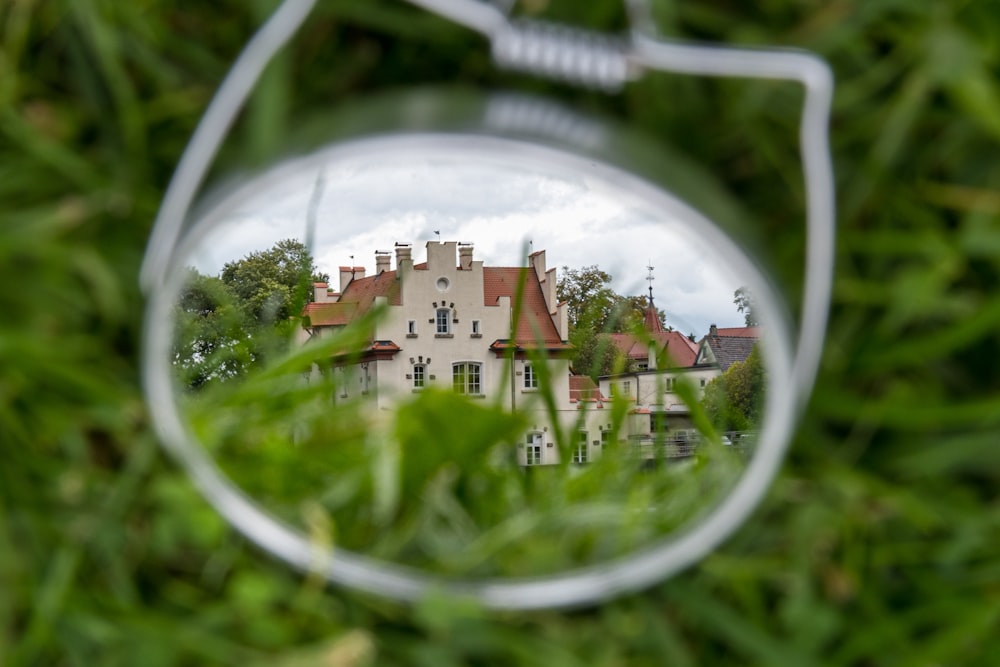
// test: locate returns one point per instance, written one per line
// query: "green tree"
(745, 304)
(211, 339)
(734, 399)
(226, 323)
(595, 310)
(273, 285)
(589, 299)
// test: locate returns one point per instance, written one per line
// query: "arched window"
(419, 375)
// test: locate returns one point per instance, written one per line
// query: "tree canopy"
(225, 323)
(734, 399)
(595, 310)
(273, 284)
(745, 304)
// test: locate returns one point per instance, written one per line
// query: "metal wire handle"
(555, 51)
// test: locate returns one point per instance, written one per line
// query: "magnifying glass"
(454, 408)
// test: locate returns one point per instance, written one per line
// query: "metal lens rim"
(582, 586)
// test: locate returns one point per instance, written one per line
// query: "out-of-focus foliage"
(877, 543)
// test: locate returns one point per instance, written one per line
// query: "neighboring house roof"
(680, 350)
(727, 346)
(651, 320)
(583, 388)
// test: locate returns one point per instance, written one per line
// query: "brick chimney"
(713, 330)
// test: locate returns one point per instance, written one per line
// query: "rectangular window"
(476, 331)
(467, 378)
(418, 376)
(533, 450)
(411, 328)
(530, 378)
(580, 452)
(443, 321)
(703, 383)
(668, 384)
(625, 388)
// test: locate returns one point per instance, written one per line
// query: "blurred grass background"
(878, 543)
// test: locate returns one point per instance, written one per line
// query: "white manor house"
(449, 322)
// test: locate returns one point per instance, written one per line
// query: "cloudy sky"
(499, 206)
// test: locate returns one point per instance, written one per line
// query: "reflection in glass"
(385, 354)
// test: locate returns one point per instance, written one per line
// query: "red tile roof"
(582, 388)
(740, 332)
(534, 329)
(330, 314)
(364, 290)
(356, 300)
(681, 350)
(534, 324)
(651, 320)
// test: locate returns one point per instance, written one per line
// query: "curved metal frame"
(584, 585)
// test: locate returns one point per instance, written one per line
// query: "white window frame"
(419, 376)
(467, 378)
(533, 449)
(411, 328)
(530, 376)
(442, 321)
(581, 452)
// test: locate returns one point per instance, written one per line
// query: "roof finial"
(649, 278)
(652, 317)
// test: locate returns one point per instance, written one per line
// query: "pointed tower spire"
(652, 318)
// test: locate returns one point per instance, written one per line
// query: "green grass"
(877, 544)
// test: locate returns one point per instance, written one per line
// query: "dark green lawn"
(878, 543)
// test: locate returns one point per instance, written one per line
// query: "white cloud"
(578, 220)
